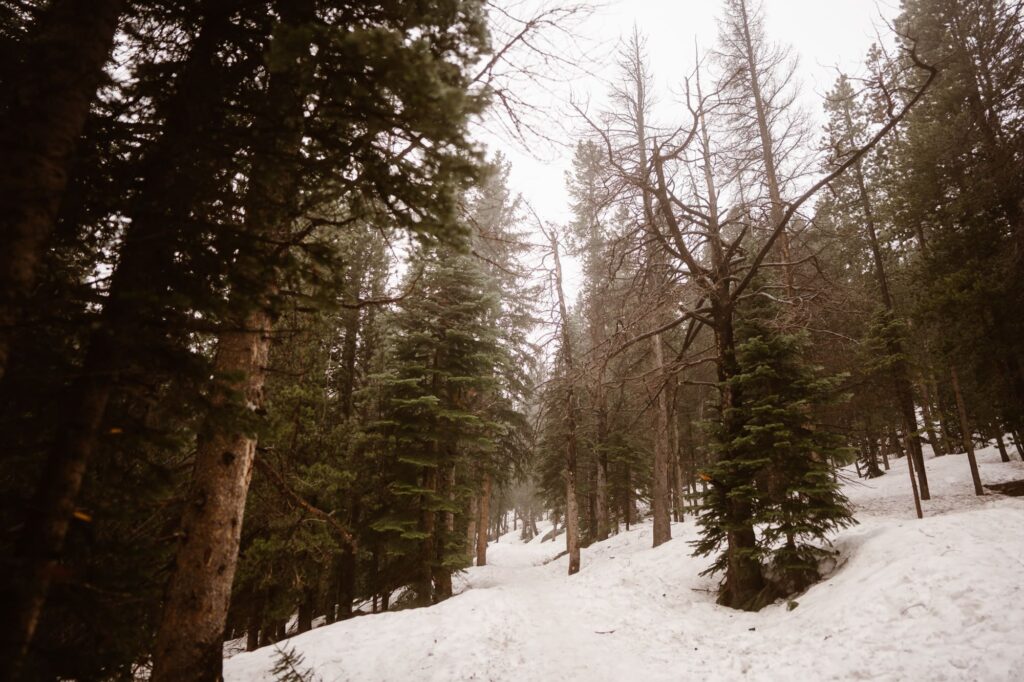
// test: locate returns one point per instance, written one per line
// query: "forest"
(284, 346)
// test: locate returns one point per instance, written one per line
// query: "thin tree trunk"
(471, 529)
(602, 458)
(913, 487)
(483, 521)
(767, 148)
(346, 582)
(1003, 454)
(940, 413)
(50, 93)
(873, 470)
(572, 539)
(252, 633)
(1017, 444)
(662, 531)
(926, 410)
(304, 621)
(627, 511)
(965, 429)
(425, 563)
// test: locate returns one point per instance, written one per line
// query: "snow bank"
(938, 599)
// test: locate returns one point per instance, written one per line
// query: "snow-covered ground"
(937, 599)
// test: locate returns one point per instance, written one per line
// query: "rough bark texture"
(49, 96)
(143, 258)
(188, 642)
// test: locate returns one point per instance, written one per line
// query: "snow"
(932, 599)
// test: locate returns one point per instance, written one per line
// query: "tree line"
(268, 314)
(764, 303)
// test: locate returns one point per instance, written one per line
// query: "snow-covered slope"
(938, 599)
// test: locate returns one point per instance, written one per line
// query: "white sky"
(824, 34)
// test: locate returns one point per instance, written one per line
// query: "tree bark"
(304, 621)
(767, 147)
(188, 641)
(602, 459)
(900, 371)
(428, 524)
(965, 429)
(483, 521)
(49, 96)
(446, 521)
(252, 632)
(572, 538)
(143, 261)
(744, 581)
(471, 529)
(1003, 454)
(662, 531)
(938, 446)
(913, 485)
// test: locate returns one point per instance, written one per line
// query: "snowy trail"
(938, 599)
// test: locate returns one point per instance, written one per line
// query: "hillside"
(936, 599)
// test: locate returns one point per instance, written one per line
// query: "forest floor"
(936, 599)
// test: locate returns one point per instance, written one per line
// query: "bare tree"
(683, 183)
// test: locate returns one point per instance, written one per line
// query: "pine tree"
(780, 462)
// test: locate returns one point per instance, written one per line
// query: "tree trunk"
(304, 621)
(1017, 444)
(938, 446)
(346, 582)
(446, 521)
(199, 591)
(144, 259)
(602, 459)
(900, 372)
(913, 485)
(252, 633)
(572, 531)
(1003, 454)
(188, 641)
(483, 521)
(425, 564)
(744, 582)
(767, 148)
(662, 531)
(873, 470)
(471, 529)
(50, 93)
(627, 511)
(572, 523)
(966, 430)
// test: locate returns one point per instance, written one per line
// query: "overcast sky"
(824, 34)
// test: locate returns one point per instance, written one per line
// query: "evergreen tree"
(780, 463)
